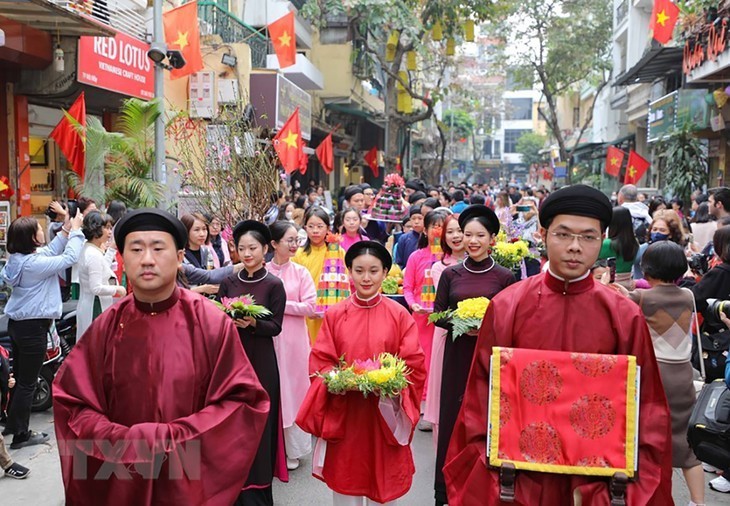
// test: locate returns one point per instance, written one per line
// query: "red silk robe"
(363, 457)
(151, 391)
(545, 313)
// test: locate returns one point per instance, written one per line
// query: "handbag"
(714, 349)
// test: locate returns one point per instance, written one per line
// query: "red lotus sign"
(118, 64)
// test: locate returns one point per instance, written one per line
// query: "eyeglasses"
(316, 227)
(565, 237)
(368, 194)
(291, 242)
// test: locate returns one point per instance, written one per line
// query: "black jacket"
(713, 285)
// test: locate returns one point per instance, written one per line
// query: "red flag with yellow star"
(182, 33)
(663, 18)
(614, 160)
(371, 158)
(288, 143)
(636, 167)
(281, 33)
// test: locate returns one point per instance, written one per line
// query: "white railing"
(126, 16)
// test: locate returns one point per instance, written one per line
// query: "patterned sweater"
(668, 312)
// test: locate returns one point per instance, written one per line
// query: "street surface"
(44, 486)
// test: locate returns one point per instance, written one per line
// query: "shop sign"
(697, 51)
(662, 117)
(289, 97)
(117, 64)
(274, 99)
(692, 109)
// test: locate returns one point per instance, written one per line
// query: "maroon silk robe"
(546, 313)
(158, 405)
(363, 457)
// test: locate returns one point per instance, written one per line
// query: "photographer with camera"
(715, 284)
(32, 271)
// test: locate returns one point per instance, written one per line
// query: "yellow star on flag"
(285, 39)
(632, 171)
(661, 17)
(182, 40)
(614, 161)
(291, 139)
(3, 186)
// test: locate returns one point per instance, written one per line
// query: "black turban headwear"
(577, 200)
(351, 191)
(147, 219)
(248, 226)
(483, 214)
(368, 248)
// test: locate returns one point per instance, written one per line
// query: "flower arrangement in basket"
(385, 375)
(510, 253)
(240, 307)
(467, 316)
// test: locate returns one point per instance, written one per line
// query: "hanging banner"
(117, 64)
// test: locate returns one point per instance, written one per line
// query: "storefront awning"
(353, 110)
(657, 62)
(58, 17)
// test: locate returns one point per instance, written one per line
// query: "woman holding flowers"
(478, 276)
(419, 288)
(363, 449)
(292, 345)
(452, 242)
(313, 254)
(252, 240)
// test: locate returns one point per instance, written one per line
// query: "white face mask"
(289, 215)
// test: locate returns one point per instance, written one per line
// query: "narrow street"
(44, 487)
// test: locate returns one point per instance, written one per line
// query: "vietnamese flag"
(636, 167)
(281, 33)
(371, 158)
(303, 158)
(182, 33)
(663, 18)
(5, 190)
(288, 143)
(71, 143)
(614, 160)
(326, 154)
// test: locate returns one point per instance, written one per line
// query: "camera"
(716, 306)
(699, 263)
(71, 206)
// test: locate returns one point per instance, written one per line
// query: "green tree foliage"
(460, 121)
(685, 162)
(559, 46)
(373, 21)
(529, 145)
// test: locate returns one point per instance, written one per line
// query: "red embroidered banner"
(562, 412)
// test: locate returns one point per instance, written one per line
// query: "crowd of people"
(164, 366)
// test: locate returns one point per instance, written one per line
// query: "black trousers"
(255, 497)
(29, 339)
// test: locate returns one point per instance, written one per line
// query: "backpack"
(708, 431)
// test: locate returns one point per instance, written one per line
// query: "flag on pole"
(182, 33)
(71, 143)
(371, 158)
(281, 33)
(288, 144)
(614, 160)
(636, 167)
(326, 154)
(664, 16)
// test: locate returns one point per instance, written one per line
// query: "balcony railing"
(123, 15)
(215, 20)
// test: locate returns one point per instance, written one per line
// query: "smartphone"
(523, 209)
(611, 263)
